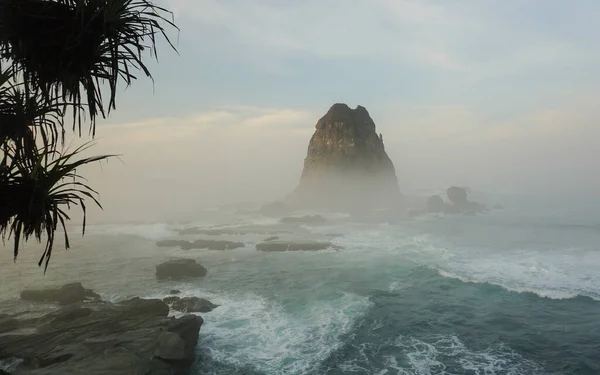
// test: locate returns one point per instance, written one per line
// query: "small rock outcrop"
(435, 203)
(133, 337)
(190, 304)
(459, 204)
(171, 243)
(211, 245)
(65, 295)
(346, 166)
(180, 269)
(278, 246)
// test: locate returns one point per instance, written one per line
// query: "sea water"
(516, 291)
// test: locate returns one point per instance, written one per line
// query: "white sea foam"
(248, 330)
(435, 356)
(556, 273)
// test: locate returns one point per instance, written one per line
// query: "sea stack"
(346, 166)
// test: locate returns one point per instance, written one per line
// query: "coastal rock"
(435, 203)
(190, 304)
(212, 231)
(133, 337)
(211, 245)
(171, 243)
(346, 166)
(457, 195)
(179, 269)
(8, 323)
(65, 295)
(306, 219)
(276, 246)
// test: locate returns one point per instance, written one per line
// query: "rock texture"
(346, 166)
(180, 269)
(278, 246)
(459, 204)
(133, 337)
(65, 295)
(190, 304)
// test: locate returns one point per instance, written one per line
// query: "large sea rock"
(346, 167)
(180, 269)
(133, 337)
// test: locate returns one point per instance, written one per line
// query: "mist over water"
(515, 291)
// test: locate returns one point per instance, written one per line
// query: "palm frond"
(36, 192)
(69, 48)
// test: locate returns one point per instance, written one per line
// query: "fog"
(489, 96)
(173, 166)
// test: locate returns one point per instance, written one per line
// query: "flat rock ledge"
(132, 337)
(278, 246)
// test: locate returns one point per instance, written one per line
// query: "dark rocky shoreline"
(89, 336)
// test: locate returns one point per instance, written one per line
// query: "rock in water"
(346, 166)
(180, 269)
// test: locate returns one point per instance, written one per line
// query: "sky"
(498, 95)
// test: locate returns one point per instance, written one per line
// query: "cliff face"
(346, 164)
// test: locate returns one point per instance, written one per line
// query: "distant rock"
(498, 206)
(346, 166)
(179, 269)
(457, 195)
(212, 231)
(65, 295)
(171, 243)
(211, 245)
(276, 246)
(307, 219)
(435, 204)
(132, 337)
(190, 304)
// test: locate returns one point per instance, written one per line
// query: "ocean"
(515, 291)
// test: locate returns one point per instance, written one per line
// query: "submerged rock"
(294, 246)
(65, 295)
(179, 269)
(174, 291)
(133, 337)
(272, 238)
(346, 165)
(190, 304)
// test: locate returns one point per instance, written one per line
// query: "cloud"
(482, 39)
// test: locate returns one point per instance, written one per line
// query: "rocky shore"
(88, 336)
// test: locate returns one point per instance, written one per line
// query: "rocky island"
(346, 167)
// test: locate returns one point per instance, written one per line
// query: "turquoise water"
(513, 292)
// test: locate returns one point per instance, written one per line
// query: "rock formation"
(132, 337)
(346, 166)
(180, 269)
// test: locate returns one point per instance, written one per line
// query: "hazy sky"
(500, 95)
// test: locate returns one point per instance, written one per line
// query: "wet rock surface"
(180, 269)
(132, 337)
